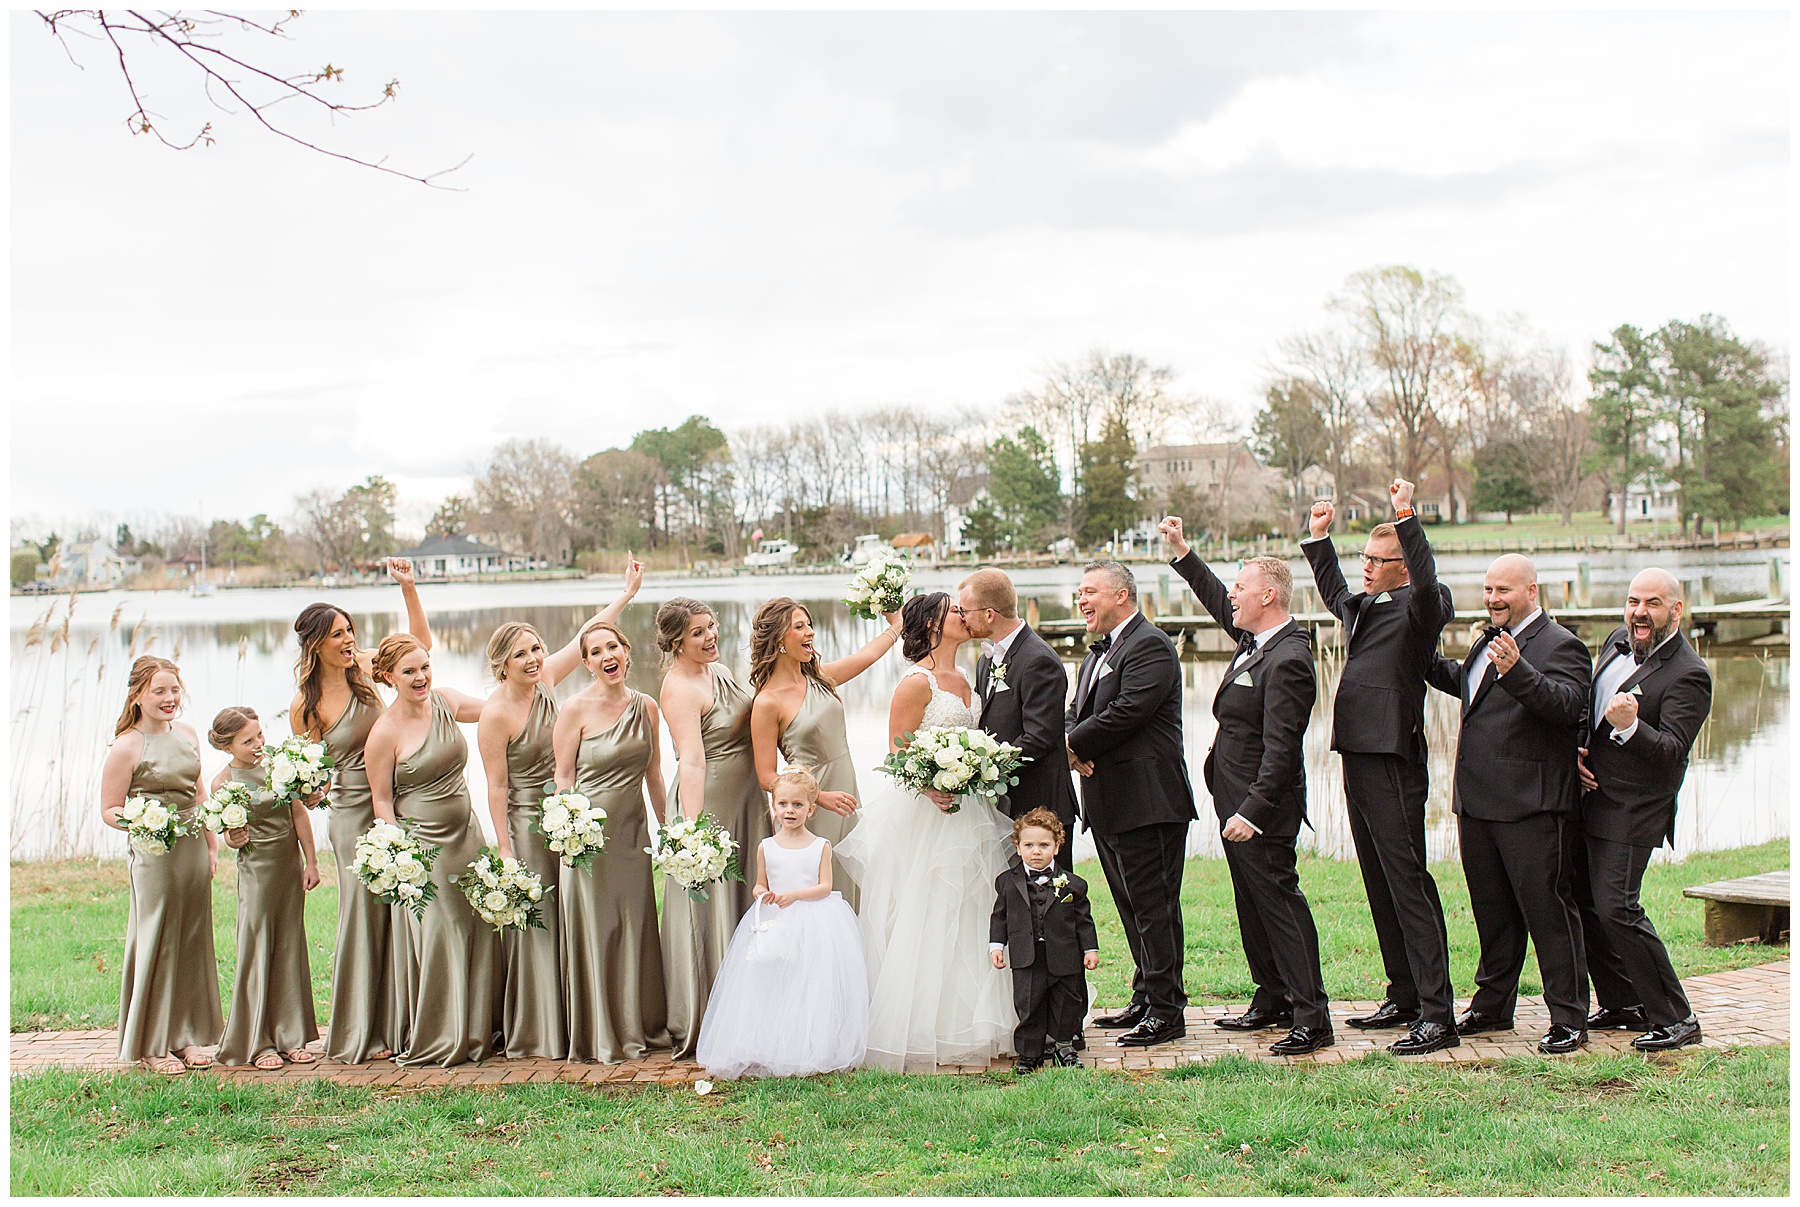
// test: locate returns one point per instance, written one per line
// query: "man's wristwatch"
(1405, 513)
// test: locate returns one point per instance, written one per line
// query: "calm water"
(237, 647)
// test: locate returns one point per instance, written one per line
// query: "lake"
(238, 647)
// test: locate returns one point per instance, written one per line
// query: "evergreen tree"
(1106, 474)
(1024, 486)
(1504, 480)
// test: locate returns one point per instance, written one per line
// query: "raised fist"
(1401, 491)
(1171, 532)
(1323, 513)
(400, 570)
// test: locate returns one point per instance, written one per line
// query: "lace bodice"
(944, 708)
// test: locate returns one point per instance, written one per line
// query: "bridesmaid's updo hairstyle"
(600, 626)
(500, 645)
(137, 683)
(768, 630)
(228, 724)
(922, 623)
(672, 621)
(313, 626)
(393, 647)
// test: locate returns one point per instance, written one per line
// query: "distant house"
(1650, 496)
(966, 493)
(1431, 498)
(446, 556)
(1362, 505)
(90, 564)
(916, 545)
(1235, 488)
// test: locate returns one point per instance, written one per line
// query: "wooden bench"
(1749, 908)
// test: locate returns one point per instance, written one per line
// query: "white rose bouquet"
(502, 891)
(396, 867)
(695, 851)
(957, 760)
(572, 827)
(879, 587)
(151, 826)
(229, 807)
(297, 768)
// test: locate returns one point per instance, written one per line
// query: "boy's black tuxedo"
(1046, 930)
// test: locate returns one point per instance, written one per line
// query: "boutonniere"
(1058, 884)
(997, 675)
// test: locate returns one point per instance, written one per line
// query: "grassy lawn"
(1550, 527)
(1594, 1125)
(68, 931)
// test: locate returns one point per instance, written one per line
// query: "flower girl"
(792, 996)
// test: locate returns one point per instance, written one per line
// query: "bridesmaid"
(608, 749)
(337, 705)
(709, 721)
(447, 964)
(271, 997)
(169, 998)
(799, 713)
(514, 740)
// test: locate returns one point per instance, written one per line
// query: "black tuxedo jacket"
(1257, 765)
(1027, 710)
(1380, 702)
(1127, 722)
(1640, 779)
(1515, 755)
(1068, 922)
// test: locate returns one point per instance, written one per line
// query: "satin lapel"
(981, 676)
(1083, 689)
(1022, 881)
(1487, 678)
(1357, 604)
(1652, 663)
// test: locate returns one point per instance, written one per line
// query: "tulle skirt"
(927, 880)
(792, 996)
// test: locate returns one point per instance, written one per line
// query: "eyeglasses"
(964, 612)
(1369, 559)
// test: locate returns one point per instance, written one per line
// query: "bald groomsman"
(1651, 695)
(1524, 689)
(1378, 730)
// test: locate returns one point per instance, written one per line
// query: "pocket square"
(1636, 690)
(1384, 597)
(996, 686)
(1106, 670)
(1243, 680)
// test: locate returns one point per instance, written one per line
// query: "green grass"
(1592, 1125)
(68, 931)
(1550, 527)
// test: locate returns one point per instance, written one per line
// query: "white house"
(90, 564)
(1650, 496)
(444, 556)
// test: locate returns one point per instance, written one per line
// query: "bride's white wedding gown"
(927, 880)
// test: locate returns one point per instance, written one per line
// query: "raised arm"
(558, 665)
(1322, 556)
(1147, 674)
(400, 569)
(491, 739)
(848, 668)
(464, 706)
(1288, 693)
(1205, 585)
(1430, 609)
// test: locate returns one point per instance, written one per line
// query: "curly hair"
(768, 629)
(1039, 819)
(672, 623)
(313, 626)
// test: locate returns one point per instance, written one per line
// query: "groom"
(1022, 687)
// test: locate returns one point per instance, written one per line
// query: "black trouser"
(1281, 944)
(1143, 870)
(1047, 1005)
(1386, 796)
(1625, 956)
(1521, 878)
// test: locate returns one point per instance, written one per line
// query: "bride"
(927, 879)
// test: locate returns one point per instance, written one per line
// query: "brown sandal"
(268, 1061)
(196, 1059)
(301, 1056)
(168, 1066)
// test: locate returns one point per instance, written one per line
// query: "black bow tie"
(1246, 643)
(1624, 647)
(1102, 645)
(1041, 879)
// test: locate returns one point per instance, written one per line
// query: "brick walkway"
(1748, 1007)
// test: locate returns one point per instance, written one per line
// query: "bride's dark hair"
(922, 623)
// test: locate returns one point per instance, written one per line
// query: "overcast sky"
(750, 217)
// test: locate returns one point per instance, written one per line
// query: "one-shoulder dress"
(532, 1013)
(362, 982)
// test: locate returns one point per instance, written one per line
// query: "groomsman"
(1124, 737)
(1524, 690)
(1256, 772)
(1023, 690)
(1651, 695)
(1378, 729)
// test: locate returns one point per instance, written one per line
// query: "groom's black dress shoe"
(1474, 1024)
(1302, 1040)
(1025, 1065)
(1426, 1037)
(1667, 1039)
(1560, 1039)
(1152, 1031)
(1625, 1018)
(1389, 1015)
(1129, 1017)
(1256, 1020)
(1065, 1057)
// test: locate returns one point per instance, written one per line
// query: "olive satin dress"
(362, 982)
(532, 1016)
(614, 1000)
(271, 997)
(447, 964)
(819, 740)
(169, 996)
(696, 935)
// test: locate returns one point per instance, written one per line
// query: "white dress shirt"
(996, 650)
(1606, 686)
(1479, 671)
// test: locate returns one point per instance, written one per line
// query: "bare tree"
(329, 528)
(1335, 364)
(527, 493)
(1560, 446)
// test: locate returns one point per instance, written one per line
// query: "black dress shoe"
(1474, 1024)
(1065, 1057)
(1626, 1018)
(1560, 1039)
(1152, 1031)
(1426, 1037)
(1667, 1039)
(1024, 1065)
(1256, 1020)
(1129, 1017)
(1389, 1015)
(1302, 1040)
(1079, 1043)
